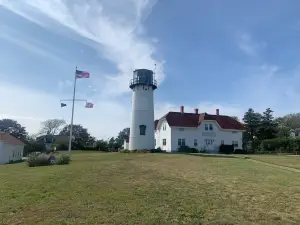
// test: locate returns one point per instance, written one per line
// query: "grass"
(292, 161)
(114, 188)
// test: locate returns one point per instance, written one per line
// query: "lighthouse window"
(142, 129)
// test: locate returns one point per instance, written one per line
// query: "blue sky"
(209, 54)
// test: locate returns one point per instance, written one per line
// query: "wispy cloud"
(114, 26)
(28, 43)
(247, 45)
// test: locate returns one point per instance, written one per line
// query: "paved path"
(275, 166)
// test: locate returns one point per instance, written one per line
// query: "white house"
(197, 130)
(11, 148)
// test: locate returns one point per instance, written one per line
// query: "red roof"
(178, 119)
(6, 137)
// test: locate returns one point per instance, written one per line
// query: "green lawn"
(115, 188)
(292, 161)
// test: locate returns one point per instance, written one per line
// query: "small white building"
(197, 130)
(11, 148)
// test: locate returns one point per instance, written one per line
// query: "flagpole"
(73, 100)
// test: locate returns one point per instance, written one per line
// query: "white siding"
(9, 152)
(161, 134)
(217, 135)
(126, 145)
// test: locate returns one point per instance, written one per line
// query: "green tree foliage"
(51, 126)
(14, 128)
(291, 121)
(81, 136)
(281, 145)
(252, 121)
(283, 132)
(113, 143)
(287, 123)
(119, 141)
(259, 127)
(102, 145)
(33, 146)
(268, 127)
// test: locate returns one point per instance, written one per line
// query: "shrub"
(226, 149)
(203, 150)
(61, 147)
(38, 160)
(239, 151)
(157, 150)
(63, 159)
(15, 161)
(33, 147)
(280, 145)
(124, 151)
(187, 149)
(46, 160)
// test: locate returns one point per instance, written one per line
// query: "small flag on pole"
(63, 105)
(82, 74)
(89, 105)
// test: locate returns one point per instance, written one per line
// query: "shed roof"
(8, 138)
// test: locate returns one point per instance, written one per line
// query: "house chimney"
(217, 112)
(196, 111)
(182, 109)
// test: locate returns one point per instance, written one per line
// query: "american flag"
(89, 105)
(82, 74)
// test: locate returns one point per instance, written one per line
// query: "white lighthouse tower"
(142, 117)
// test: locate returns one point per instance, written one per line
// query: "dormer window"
(142, 129)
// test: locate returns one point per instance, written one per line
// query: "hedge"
(187, 149)
(226, 149)
(281, 145)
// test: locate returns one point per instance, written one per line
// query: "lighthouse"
(143, 85)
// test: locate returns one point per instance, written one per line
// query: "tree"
(102, 145)
(252, 121)
(80, 134)
(14, 128)
(113, 144)
(291, 121)
(91, 140)
(283, 132)
(268, 127)
(52, 126)
(287, 124)
(123, 134)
